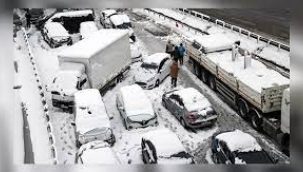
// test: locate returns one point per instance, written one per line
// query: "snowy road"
(128, 146)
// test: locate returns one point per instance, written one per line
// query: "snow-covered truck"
(245, 83)
(99, 61)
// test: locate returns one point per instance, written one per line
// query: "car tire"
(157, 83)
(243, 108)
(183, 123)
(204, 76)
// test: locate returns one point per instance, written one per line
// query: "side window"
(179, 101)
(162, 64)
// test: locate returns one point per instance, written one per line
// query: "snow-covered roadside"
(271, 53)
(30, 95)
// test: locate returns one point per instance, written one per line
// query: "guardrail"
(48, 126)
(235, 28)
(281, 69)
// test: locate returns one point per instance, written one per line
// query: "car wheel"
(215, 158)
(157, 83)
(243, 108)
(183, 123)
(212, 83)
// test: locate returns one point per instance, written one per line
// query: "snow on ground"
(29, 94)
(269, 52)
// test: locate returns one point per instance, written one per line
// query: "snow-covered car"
(96, 152)
(135, 51)
(104, 17)
(162, 146)
(87, 28)
(153, 70)
(238, 147)
(92, 121)
(190, 107)
(70, 78)
(55, 34)
(135, 108)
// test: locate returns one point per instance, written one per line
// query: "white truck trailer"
(245, 83)
(98, 61)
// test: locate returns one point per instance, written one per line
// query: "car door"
(171, 104)
(166, 67)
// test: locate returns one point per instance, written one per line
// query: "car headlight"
(152, 78)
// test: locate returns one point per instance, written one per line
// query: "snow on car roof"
(78, 13)
(109, 12)
(257, 76)
(165, 141)
(86, 122)
(117, 19)
(97, 41)
(101, 155)
(136, 101)
(87, 28)
(125, 18)
(155, 58)
(215, 42)
(239, 141)
(192, 99)
(56, 29)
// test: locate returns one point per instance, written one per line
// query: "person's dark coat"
(169, 47)
(174, 69)
(176, 53)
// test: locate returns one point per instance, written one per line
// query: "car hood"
(144, 74)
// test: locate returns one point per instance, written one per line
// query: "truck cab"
(70, 79)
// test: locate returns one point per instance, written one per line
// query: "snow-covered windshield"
(141, 117)
(97, 131)
(255, 157)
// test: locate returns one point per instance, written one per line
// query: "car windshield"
(149, 66)
(255, 157)
(97, 131)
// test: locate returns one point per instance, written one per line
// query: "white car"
(135, 108)
(92, 121)
(96, 152)
(135, 52)
(87, 28)
(153, 71)
(162, 146)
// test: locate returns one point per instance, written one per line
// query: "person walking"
(28, 19)
(181, 53)
(176, 54)
(169, 48)
(174, 70)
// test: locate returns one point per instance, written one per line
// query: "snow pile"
(55, 29)
(192, 99)
(166, 142)
(155, 58)
(87, 28)
(135, 101)
(97, 152)
(239, 141)
(215, 42)
(96, 42)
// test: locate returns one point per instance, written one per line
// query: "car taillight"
(191, 117)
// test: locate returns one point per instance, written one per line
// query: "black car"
(237, 147)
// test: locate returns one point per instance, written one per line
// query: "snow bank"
(155, 58)
(135, 101)
(239, 141)
(55, 29)
(97, 41)
(87, 28)
(192, 99)
(166, 142)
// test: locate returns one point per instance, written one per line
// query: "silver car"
(190, 107)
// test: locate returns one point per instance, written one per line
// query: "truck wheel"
(256, 119)
(197, 71)
(204, 75)
(243, 108)
(212, 83)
